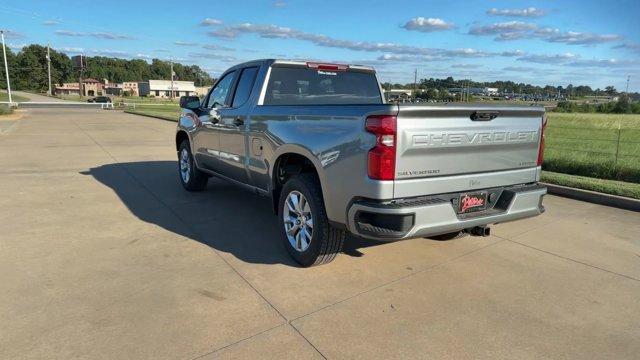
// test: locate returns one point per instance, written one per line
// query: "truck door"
(233, 154)
(207, 137)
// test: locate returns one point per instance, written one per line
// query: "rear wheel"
(307, 235)
(191, 178)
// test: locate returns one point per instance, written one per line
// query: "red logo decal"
(470, 202)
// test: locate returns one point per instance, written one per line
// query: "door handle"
(238, 121)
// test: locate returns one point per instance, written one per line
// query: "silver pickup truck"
(335, 158)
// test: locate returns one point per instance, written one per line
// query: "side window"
(218, 95)
(245, 84)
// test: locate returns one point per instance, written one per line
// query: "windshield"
(305, 86)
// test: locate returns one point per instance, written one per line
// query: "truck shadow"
(224, 217)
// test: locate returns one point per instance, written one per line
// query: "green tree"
(11, 60)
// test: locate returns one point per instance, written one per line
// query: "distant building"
(90, 87)
(119, 89)
(67, 89)
(395, 94)
(162, 88)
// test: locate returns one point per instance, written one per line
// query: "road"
(37, 98)
(104, 256)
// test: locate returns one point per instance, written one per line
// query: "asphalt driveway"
(104, 256)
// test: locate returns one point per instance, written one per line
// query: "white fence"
(58, 104)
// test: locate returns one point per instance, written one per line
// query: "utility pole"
(415, 82)
(628, 78)
(6, 67)
(49, 69)
(171, 61)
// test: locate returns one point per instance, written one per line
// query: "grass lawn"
(5, 97)
(605, 146)
(168, 111)
(619, 188)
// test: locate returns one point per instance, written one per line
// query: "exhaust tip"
(480, 231)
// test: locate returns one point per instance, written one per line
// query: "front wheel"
(191, 178)
(307, 235)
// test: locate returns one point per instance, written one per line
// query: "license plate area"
(472, 202)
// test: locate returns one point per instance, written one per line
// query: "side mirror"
(190, 102)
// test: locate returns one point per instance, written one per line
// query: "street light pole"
(6, 67)
(49, 69)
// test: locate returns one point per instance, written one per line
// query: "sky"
(595, 43)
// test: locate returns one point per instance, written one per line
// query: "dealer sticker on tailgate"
(471, 202)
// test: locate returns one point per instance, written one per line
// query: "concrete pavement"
(36, 97)
(103, 255)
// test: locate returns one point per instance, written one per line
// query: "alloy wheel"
(298, 221)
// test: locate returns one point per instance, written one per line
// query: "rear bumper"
(434, 215)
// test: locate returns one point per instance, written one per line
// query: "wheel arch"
(292, 160)
(181, 136)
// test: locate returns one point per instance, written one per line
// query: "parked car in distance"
(100, 99)
(334, 158)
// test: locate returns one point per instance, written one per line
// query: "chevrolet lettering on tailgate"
(443, 139)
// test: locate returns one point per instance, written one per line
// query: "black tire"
(326, 241)
(196, 179)
(450, 236)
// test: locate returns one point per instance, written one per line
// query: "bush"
(622, 106)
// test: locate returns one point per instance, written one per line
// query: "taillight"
(327, 67)
(541, 148)
(381, 162)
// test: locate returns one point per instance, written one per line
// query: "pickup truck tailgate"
(445, 141)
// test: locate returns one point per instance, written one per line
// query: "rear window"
(304, 86)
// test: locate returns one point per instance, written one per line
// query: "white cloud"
(184, 43)
(427, 24)
(217, 47)
(635, 47)
(109, 53)
(212, 56)
(466, 66)
(608, 63)
(71, 49)
(210, 22)
(279, 4)
(10, 34)
(279, 32)
(572, 37)
(403, 58)
(100, 35)
(17, 47)
(509, 30)
(513, 30)
(50, 22)
(527, 12)
(549, 59)
(513, 53)
(519, 68)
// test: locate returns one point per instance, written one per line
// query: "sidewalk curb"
(151, 116)
(594, 197)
